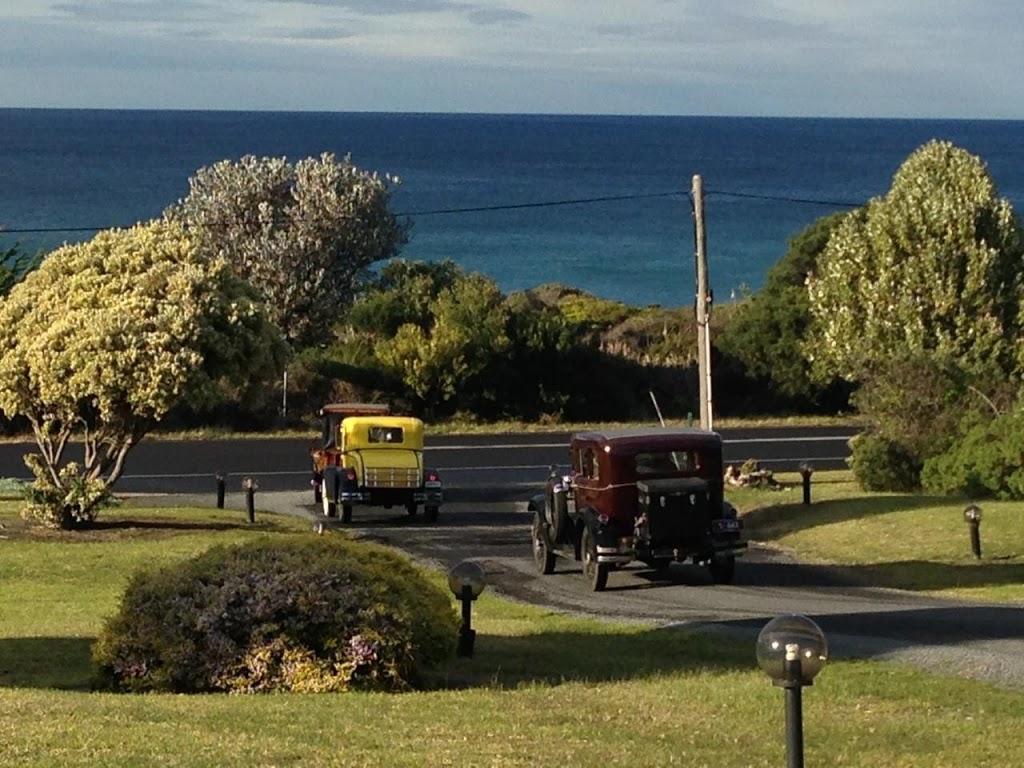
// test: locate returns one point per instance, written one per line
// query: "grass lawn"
(902, 541)
(544, 689)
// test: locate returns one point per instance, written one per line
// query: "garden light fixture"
(972, 516)
(466, 581)
(791, 650)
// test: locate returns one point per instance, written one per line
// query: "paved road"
(984, 642)
(494, 464)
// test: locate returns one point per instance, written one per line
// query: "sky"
(803, 58)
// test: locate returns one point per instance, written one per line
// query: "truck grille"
(391, 477)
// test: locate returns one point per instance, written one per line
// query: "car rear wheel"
(430, 514)
(411, 509)
(596, 573)
(542, 554)
(722, 568)
(346, 513)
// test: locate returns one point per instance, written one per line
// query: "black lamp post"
(791, 650)
(972, 516)
(466, 581)
(806, 470)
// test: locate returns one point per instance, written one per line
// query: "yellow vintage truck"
(367, 457)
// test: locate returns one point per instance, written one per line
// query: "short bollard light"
(249, 486)
(806, 470)
(791, 650)
(220, 490)
(972, 516)
(466, 581)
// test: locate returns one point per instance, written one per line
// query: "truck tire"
(542, 554)
(595, 573)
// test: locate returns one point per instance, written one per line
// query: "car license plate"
(432, 484)
(726, 526)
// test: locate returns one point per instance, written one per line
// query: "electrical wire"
(520, 206)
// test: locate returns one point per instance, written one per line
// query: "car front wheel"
(596, 573)
(542, 554)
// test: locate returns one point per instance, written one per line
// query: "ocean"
(597, 202)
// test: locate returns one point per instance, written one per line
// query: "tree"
(932, 267)
(105, 337)
(302, 234)
(444, 365)
(403, 293)
(918, 299)
(769, 329)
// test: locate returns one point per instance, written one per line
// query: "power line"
(782, 199)
(514, 207)
(548, 204)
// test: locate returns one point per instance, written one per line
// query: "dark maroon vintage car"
(652, 495)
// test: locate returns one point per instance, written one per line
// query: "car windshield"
(662, 462)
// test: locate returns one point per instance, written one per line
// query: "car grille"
(391, 477)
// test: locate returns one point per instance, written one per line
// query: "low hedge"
(302, 614)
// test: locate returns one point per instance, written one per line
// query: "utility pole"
(703, 306)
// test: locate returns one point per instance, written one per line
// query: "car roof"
(635, 438)
(356, 409)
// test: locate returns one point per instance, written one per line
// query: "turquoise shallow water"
(599, 202)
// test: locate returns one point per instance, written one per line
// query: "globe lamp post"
(972, 516)
(792, 650)
(466, 581)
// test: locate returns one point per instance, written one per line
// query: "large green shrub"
(985, 463)
(303, 614)
(880, 464)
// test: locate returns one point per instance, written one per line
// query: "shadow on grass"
(770, 522)
(552, 658)
(61, 663)
(917, 575)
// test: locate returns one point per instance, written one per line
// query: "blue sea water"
(632, 240)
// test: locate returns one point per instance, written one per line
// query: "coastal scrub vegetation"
(907, 310)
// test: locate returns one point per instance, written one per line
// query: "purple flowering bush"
(304, 614)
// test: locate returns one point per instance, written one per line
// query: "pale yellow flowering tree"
(105, 337)
(933, 268)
